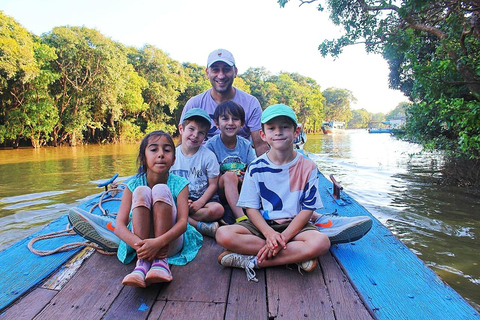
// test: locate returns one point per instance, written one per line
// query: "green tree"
(26, 107)
(17, 54)
(360, 119)
(166, 81)
(379, 116)
(302, 94)
(197, 82)
(433, 51)
(92, 69)
(399, 111)
(258, 79)
(131, 100)
(337, 104)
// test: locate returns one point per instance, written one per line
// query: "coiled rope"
(114, 190)
(65, 247)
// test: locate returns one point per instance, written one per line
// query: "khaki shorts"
(275, 226)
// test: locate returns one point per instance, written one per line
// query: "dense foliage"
(74, 85)
(433, 50)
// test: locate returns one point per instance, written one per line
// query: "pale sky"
(258, 33)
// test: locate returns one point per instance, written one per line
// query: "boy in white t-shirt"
(200, 166)
(280, 194)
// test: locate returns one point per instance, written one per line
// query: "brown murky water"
(395, 181)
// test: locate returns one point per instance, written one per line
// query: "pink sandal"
(159, 272)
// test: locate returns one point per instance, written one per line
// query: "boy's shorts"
(275, 226)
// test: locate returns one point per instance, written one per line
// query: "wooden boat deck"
(377, 276)
(202, 289)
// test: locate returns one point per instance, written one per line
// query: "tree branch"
(366, 7)
(306, 1)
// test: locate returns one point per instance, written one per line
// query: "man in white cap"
(221, 71)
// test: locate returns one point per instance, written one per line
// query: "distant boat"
(332, 127)
(380, 130)
(379, 127)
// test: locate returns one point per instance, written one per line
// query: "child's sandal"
(137, 277)
(159, 272)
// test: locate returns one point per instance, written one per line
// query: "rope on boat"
(114, 190)
(70, 232)
(65, 247)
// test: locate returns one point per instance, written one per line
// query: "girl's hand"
(149, 249)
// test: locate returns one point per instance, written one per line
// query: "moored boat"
(390, 281)
(379, 127)
(333, 127)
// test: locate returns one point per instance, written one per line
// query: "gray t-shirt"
(197, 169)
(253, 111)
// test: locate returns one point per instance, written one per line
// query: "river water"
(393, 179)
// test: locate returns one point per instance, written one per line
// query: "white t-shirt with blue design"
(281, 191)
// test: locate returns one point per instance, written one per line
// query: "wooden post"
(336, 187)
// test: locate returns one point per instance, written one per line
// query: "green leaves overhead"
(433, 52)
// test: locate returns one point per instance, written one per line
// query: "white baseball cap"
(220, 55)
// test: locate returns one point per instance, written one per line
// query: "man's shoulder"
(242, 96)
(201, 97)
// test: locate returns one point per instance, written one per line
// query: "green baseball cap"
(278, 110)
(197, 112)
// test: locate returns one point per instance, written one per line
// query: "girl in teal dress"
(152, 218)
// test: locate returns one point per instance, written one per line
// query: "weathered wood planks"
(202, 289)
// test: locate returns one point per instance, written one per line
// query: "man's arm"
(260, 146)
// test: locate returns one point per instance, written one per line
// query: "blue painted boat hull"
(391, 280)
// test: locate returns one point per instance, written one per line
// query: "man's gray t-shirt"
(253, 111)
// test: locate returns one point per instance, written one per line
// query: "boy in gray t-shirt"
(199, 165)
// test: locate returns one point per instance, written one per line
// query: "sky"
(258, 32)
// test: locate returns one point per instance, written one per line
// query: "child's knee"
(230, 177)
(216, 211)
(160, 192)
(322, 245)
(142, 197)
(223, 236)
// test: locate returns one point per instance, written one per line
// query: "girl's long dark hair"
(143, 146)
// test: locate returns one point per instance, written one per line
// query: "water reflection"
(400, 186)
(39, 185)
